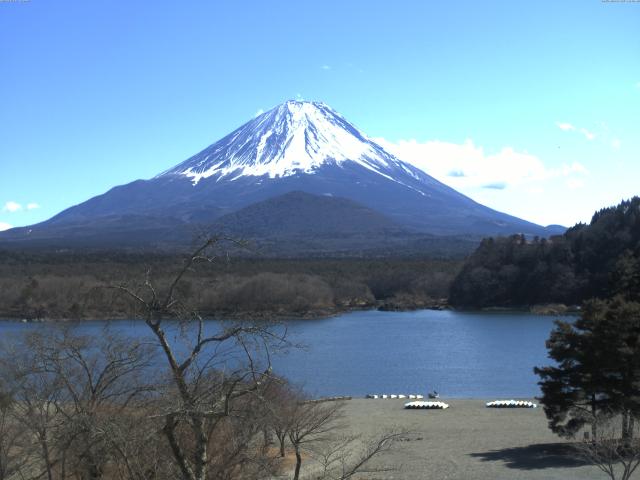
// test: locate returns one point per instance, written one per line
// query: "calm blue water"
(458, 354)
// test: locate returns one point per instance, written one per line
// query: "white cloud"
(32, 206)
(588, 135)
(616, 144)
(568, 127)
(5, 226)
(259, 112)
(517, 182)
(495, 185)
(574, 183)
(326, 67)
(467, 166)
(575, 167)
(565, 126)
(638, 85)
(12, 207)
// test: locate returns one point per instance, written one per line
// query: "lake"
(459, 354)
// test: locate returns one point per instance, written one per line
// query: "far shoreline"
(559, 310)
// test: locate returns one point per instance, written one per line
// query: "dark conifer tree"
(598, 260)
(597, 368)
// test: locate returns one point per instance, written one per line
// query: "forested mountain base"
(72, 285)
(596, 260)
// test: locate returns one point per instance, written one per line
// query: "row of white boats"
(511, 404)
(430, 405)
(427, 405)
(494, 404)
(384, 396)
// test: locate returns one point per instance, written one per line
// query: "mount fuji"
(302, 164)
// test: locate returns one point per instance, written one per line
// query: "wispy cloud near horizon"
(467, 166)
(600, 133)
(11, 207)
(569, 127)
(587, 134)
(495, 186)
(565, 126)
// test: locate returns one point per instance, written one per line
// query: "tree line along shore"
(547, 276)
(74, 286)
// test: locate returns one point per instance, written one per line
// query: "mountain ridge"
(296, 146)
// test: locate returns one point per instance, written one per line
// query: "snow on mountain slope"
(295, 147)
(294, 137)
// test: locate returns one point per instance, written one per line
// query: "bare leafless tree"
(316, 428)
(138, 449)
(38, 415)
(70, 391)
(196, 402)
(279, 405)
(99, 381)
(615, 451)
(345, 457)
(312, 423)
(211, 373)
(14, 444)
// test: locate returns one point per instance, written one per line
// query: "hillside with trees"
(597, 260)
(70, 285)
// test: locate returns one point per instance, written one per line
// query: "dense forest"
(597, 260)
(74, 285)
(600, 259)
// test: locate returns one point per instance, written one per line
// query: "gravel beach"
(468, 441)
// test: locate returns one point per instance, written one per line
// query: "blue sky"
(532, 108)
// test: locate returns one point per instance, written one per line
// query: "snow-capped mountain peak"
(257, 178)
(294, 137)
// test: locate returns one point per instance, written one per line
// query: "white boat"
(426, 405)
(511, 404)
(393, 395)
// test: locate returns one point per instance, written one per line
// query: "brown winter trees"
(211, 373)
(188, 399)
(71, 394)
